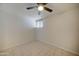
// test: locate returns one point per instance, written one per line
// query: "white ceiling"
(20, 9)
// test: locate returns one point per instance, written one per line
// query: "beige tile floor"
(36, 48)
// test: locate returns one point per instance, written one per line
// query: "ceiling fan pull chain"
(39, 12)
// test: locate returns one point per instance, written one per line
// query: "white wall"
(61, 30)
(14, 29)
(1, 31)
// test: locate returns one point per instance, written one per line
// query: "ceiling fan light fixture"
(40, 8)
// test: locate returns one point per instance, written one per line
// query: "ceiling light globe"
(40, 8)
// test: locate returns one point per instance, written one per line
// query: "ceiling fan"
(40, 7)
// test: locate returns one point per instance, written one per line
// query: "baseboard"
(65, 49)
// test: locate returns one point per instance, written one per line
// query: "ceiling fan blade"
(48, 9)
(42, 3)
(31, 7)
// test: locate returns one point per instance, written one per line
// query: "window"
(39, 24)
